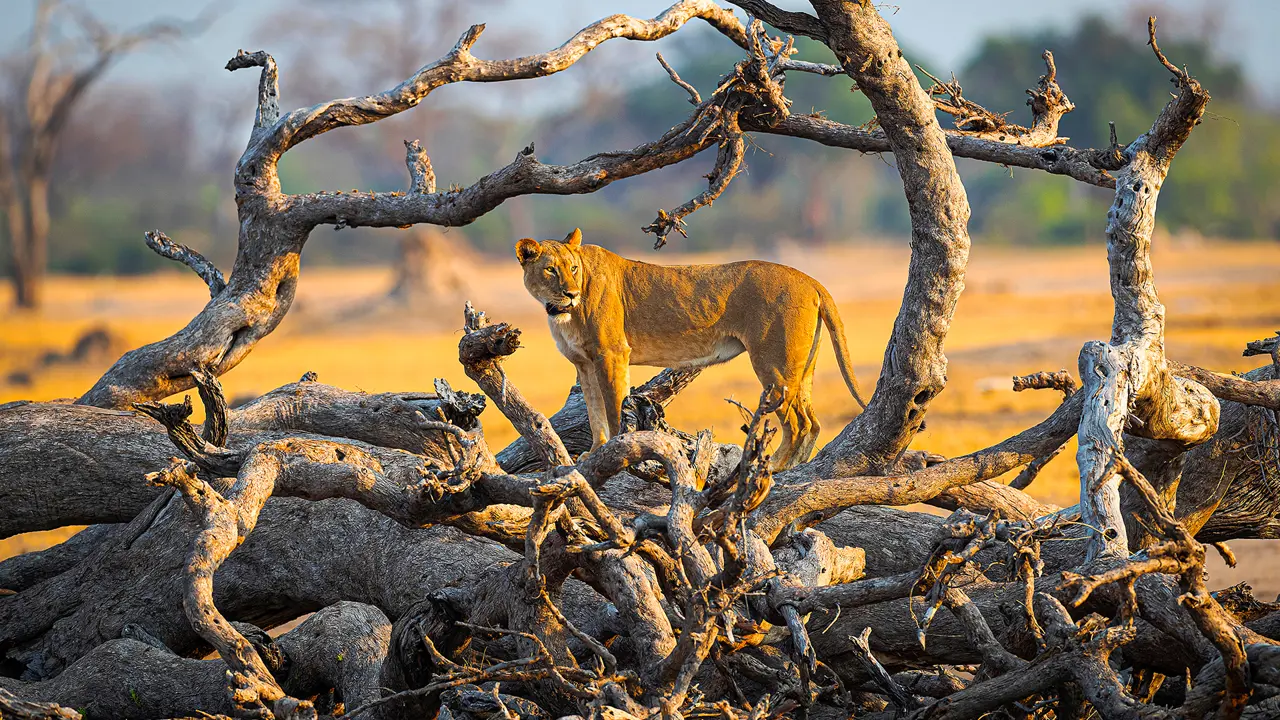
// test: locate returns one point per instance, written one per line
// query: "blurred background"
(153, 141)
(152, 125)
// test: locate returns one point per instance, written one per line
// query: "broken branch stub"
(198, 263)
(481, 350)
(1128, 384)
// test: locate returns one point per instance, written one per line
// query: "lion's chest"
(571, 339)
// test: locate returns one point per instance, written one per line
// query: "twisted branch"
(201, 265)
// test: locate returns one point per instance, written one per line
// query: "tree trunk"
(26, 277)
(30, 287)
(430, 279)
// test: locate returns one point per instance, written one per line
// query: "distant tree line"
(130, 158)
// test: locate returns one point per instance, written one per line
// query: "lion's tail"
(831, 318)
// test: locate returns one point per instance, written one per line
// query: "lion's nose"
(571, 295)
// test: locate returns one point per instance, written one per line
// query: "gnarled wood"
(340, 648)
(865, 47)
(1128, 381)
(660, 574)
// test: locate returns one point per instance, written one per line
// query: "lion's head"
(553, 272)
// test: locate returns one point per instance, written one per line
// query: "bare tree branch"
(796, 23)
(459, 65)
(694, 98)
(755, 83)
(274, 227)
(1083, 165)
(268, 110)
(250, 682)
(422, 177)
(198, 263)
(1262, 393)
(798, 499)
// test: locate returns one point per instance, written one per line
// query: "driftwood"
(663, 573)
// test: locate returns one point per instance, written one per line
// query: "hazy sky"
(947, 31)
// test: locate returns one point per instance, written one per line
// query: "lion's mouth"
(554, 309)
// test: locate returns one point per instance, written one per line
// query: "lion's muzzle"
(570, 302)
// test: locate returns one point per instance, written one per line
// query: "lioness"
(607, 312)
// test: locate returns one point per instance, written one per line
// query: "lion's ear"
(528, 250)
(574, 238)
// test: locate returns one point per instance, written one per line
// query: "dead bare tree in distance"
(47, 79)
(663, 574)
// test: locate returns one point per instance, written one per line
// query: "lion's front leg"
(597, 414)
(613, 373)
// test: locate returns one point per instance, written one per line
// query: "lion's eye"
(550, 271)
(574, 269)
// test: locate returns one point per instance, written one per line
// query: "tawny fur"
(607, 313)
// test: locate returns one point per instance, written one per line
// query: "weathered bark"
(222, 522)
(60, 619)
(96, 458)
(135, 577)
(1227, 485)
(16, 707)
(95, 465)
(914, 369)
(1256, 388)
(989, 496)
(1129, 377)
(340, 648)
(389, 420)
(22, 571)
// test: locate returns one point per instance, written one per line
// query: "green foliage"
(100, 236)
(1024, 207)
(1108, 72)
(1224, 182)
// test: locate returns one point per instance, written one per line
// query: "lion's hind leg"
(800, 430)
(791, 423)
(808, 439)
(791, 369)
(783, 356)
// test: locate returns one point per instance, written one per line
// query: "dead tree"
(662, 574)
(429, 279)
(47, 81)
(431, 271)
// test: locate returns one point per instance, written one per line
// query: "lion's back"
(701, 304)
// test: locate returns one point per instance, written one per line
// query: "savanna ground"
(1022, 311)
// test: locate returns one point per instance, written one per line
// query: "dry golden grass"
(1023, 311)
